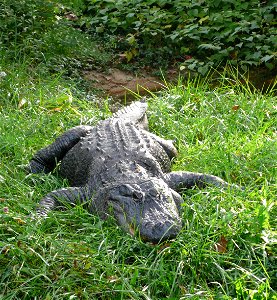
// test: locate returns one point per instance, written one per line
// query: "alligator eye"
(137, 196)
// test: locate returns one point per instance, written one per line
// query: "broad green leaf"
(267, 58)
(209, 46)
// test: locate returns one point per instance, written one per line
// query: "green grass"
(75, 255)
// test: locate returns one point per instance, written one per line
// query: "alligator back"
(110, 143)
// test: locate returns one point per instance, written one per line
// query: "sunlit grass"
(227, 247)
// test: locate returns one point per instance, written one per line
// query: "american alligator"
(119, 168)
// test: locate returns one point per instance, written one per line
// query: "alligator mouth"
(160, 232)
(170, 234)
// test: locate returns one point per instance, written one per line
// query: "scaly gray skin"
(119, 168)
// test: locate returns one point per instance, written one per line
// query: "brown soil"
(119, 84)
(262, 78)
(122, 84)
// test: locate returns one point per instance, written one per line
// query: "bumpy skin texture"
(119, 168)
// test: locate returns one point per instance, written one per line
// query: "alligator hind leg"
(167, 145)
(46, 159)
(186, 180)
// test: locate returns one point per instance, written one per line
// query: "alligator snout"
(159, 231)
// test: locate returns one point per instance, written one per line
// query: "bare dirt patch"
(119, 84)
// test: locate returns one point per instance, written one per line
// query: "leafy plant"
(25, 19)
(202, 33)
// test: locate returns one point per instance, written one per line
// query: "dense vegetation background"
(227, 248)
(197, 33)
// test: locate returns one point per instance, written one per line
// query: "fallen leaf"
(132, 230)
(5, 250)
(221, 245)
(164, 246)
(187, 57)
(112, 278)
(22, 103)
(71, 17)
(19, 221)
(56, 109)
(235, 107)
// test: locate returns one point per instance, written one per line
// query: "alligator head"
(147, 207)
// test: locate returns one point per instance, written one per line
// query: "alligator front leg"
(46, 159)
(186, 180)
(59, 198)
